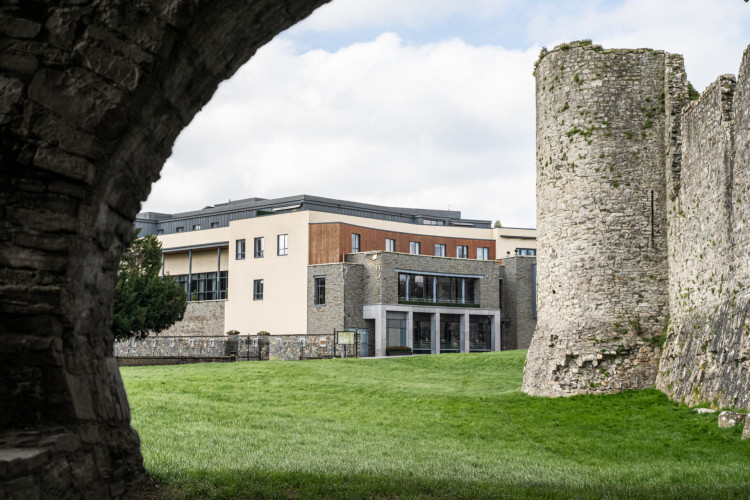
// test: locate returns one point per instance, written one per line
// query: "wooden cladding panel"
(331, 242)
(324, 243)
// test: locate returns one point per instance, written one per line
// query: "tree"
(145, 302)
(497, 224)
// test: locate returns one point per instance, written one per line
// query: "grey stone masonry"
(203, 318)
(707, 346)
(344, 293)
(519, 301)
(380, 275)
(602, 232)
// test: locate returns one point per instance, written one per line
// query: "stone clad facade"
(518, 301)
(643, 260)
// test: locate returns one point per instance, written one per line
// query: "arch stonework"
(92, 96)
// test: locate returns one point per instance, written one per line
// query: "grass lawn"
(446, 426)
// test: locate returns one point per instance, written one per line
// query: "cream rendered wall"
(402, 227)
(283, 309)
(504, 236)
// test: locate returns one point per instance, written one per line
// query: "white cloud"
(438, 125)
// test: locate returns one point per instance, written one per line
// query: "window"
(159, 231)
(180, 229)
(257, 289)
(439, 250)
(415, 247)
(196, 227)
(483, 253)
(526, 251)
(282, 244)
(462, 252)
(214, 224)
(203, 286)
(320, 290)
(258, 246)
(240, 249)
(390, 245)
(355, 243)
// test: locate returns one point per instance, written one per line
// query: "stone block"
(746, 429)
(730, 419)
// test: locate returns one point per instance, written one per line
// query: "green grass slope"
(447, 426)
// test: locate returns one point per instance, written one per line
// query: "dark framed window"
(239, 249)
(180, 229)
(390, 245)
(258, 247)
(462, 252)
(203, 286)
(214, 224)
(526, 251)
(439, 250)
(282, 244)
(320, 290)
(257, 289)
(196, 227)
(483, 253)
(415, 247)
(356, 239)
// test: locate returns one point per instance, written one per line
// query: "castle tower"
(602, 135)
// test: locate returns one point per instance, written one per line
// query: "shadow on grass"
(251, 484)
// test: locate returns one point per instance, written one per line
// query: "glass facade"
(203, 286)
(422, 333)
(450, 333)
(439, 290)
(480, 333)
(396, 332)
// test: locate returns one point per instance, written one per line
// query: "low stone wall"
(179, 350)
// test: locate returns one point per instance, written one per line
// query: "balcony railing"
(437, 303)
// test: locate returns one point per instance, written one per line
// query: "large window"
(355, 243)
(438, 290)
(257, 289)
(415, 247)
(483, 253)
(450, 333)
(390, 245)
(422, 334)
(258, 247)
(239, 249)
(196, 227)
(203, 286)
(462, 252)
(480, 333)
(320, 290)
(282, 244)
(526, 251)
(439, 250)
(395, 332)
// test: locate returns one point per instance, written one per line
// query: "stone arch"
(92, 97)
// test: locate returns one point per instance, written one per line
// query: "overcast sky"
(417, 103)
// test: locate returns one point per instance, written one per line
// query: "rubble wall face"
(707, 346)
(602, 258)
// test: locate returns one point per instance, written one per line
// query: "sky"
(417, 103)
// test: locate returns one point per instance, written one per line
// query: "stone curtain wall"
(518, 302)
(202, 318)
(707, 349)
(92, 97)
(602, 275)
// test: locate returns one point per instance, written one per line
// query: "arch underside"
(92, 96)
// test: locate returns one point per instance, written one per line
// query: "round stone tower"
(602, 232)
